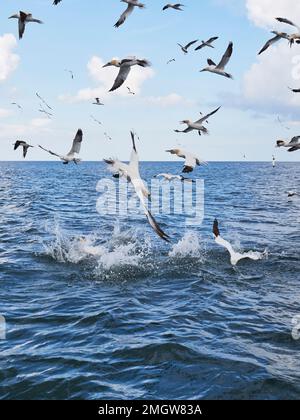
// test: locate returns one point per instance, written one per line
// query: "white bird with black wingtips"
(185, 48)
(71, 156)
(24, 145)
(220, 68)
(131, 4)
(176, 6)
(191, 161)
(197, 125)
(292, 145)
(23, 19)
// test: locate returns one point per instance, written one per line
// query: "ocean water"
(98, 307)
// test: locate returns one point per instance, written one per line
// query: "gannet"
(220, 68)
(56, 2)
(125, 67)
(43, 111)
(171, 61)
(71, 73)
(295, 90)
(278, 36)
(292, 145)
(97, 102)
(131, 5)
(170, 177)
(176, 6)
(292, 37)
(70, 157)
(95, 119)
(23, 19)
(44, 102)
(207, 43)
(19, 106)
(130, 91)
(185, 48)
(197, 125)
(292, 194)
(23, 144)
(132, 174)
(235, 257)
(190, 159)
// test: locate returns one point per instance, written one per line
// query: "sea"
(95, 305)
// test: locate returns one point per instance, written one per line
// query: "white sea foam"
(190, 246)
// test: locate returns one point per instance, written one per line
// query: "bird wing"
(294, 148)
(21, 24)
(190, 44)
(207, 116)
(18, 143)
(225, 244)
(269, 43)
(125, 15)
(212, 39)
(211, 63)
(288, 22)
(116, 166)
(189, 164)
(51, 153)
(295, 140)
(76, 146)
(25, 150)
(122, 76)
(226, 57)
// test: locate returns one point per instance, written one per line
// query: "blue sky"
(80, 36)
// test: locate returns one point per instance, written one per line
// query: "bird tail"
(144, 63)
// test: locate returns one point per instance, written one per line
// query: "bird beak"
(202, 70)
(168, 151)
(106, 65)
(182, 122)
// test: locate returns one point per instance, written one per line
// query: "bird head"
(185, 122)
(280, 143)
(111, 63)
(173, 151)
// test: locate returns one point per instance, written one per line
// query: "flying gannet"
(278, 36)
(70, 157)
(190, 159)
(207, 43)
(171, 60)
(44, 102)
(132, 174)
(131, 5)
(235, 257)
(176, 6)
(292, 145)
(97, 102)
(220, 68)
(56, 2)
(71, 73)
(17, 105)
(130, 92)
(185, 48)
(95, 120)
(197, 125)
(295, 90)
(125, 67)
(26, 146)
(23, 19)
(292, 37)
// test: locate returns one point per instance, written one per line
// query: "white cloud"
(264, 12)
(34, 126)
(4, 113)
(173, 99)
(8, 60)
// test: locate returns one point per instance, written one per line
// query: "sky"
(81, 36)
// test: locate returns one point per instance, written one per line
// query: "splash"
(188, 247)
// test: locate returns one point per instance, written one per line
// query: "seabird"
(97, 102)
(220, 68)
(70, 72)
(190, 160)
(56, 2)
(295, 90)
(292, 37)
(170, 177)
(24, 145)
(15, 103)
(107, 136)
(130, 91)
(23, 19)
(43, 111)
(176, 6)
(131, 5)
(235, 257)
(278, 36)
(95, 119)
(292, 194)
(132, 174)
(197, 125)
(44, 102)
(70, 157)
(292, 145)
(171, 61)
(207, 43)
(125, 67)
(187, 46)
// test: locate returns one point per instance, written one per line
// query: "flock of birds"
(131, 171)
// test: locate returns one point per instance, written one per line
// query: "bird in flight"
(295, 90)
(95, 119)
(292, 37)
(23, 19)
(131, 5)
(43, 111)
(185, 48)
(220, 68)
(71, 156)
(131, 172)
(17, 105)
(26, 146)
(124, 69)
(292, 145)
(97, 102)
(71, 73)
(278, 36)
(190, 159)
(171, 177)
(176, 6)
(130, 92)
(171, 61)
(56, 2)
(44, 102)
(197, 125)
(207, 43)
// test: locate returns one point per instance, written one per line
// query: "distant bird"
(176, 6)
(220, 68)
(292, 145)
(278, 36)
(23, 144)
(170, 177)
(130, 92)
(97, 102)
(282, 124)
(44, 102)
(197, 125)
(207, 43)
(71, 156)
(235, 257)
(107, 136)
(19, 106)
(71, 73)
(295, 90)
(95, 119)
(131, 5)
(56, 2)
(190, 159)
(171, 61)
(292, 37)
(132, 174)
(273, 161)
(185, 48)
(125, 67)
(292, 194)
(23, 19)
(43, 111)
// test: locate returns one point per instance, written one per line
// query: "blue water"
(147, 319)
